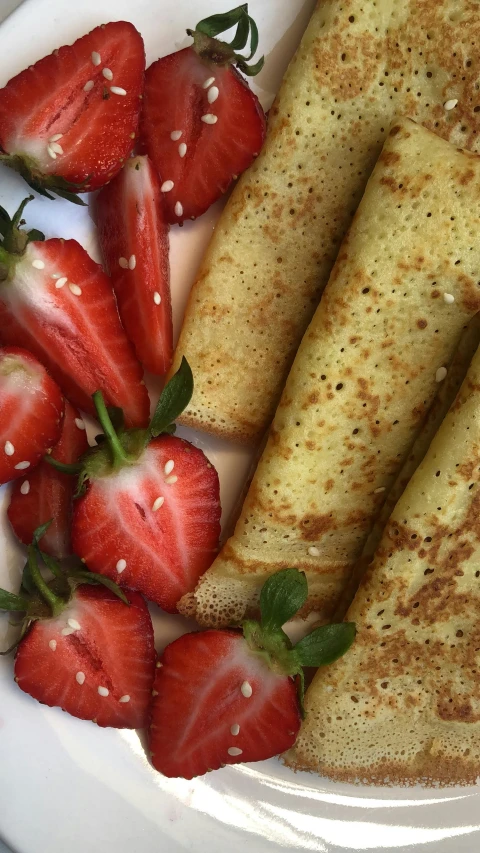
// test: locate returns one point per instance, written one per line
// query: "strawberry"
(86, 649)
(201, 125)
(68, 122)
(224, 696)
(134, 238)
(31, 412)
(58, 303)
(149, 515)
(47, 493)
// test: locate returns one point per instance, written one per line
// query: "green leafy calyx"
(43, 184)
(42, 598)
(282, 596)
(225, 53)
(118, 447)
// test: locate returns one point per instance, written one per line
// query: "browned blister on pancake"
(405, 283)
(358, 66)
(403, 705)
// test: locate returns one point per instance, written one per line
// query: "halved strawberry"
(84, 648)
(133, 235)
(46, 493)
(201, 125)
(31, 412)
(68, 122)
(101, 670)
(221, 697)
(58, 303)
(150, 515)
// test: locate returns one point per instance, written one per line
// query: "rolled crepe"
(446, 394)
(359, 64)
(406, 281)
(403, 705)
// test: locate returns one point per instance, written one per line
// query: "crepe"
(358, 66)
(403, 705)
(447, 392)
(364, 377)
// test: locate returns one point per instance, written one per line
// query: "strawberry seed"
(9, 448)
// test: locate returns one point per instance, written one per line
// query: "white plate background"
(66, 785)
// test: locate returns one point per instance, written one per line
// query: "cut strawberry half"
(83, 648)
(223, 697)
(150, 513)
(68, 122)
(201, 124)
(133, 234)
(46, 493)
(31, 412)
(58, 303)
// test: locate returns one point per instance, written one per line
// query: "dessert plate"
(66, 784)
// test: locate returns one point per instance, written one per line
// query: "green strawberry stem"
(282, 595)
(15, 240)
(120, 457)
(54, 601)
(210, 48)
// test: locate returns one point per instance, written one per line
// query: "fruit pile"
(138, 513)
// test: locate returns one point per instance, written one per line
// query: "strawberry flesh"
(111, 651)
(55, 96)
(133, 234)
(199, 711)
(121, 531)
(74, 329)
(46, 493)
(31, 412)
(216, 153)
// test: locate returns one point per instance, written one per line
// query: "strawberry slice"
(84, 648)
(69, 121)
(101, 670)
(201, 125)
(148, 529)
(31, 412)
(134, 239)
(58, 303)
(221, 697)
(150, 514)
(46, 493)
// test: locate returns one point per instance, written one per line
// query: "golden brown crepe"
(447, 392)
(359, 64)
(403, 705)
(364, 377)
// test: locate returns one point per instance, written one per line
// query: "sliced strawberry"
(154, 525)
(201, 124)
(150, 513)
(221, 697)
(46, 494)
(96, 659)
(134, 238)
(58, 303)
(72, 117)
(31, 412)
(218, 703)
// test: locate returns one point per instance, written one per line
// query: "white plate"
(66, 785)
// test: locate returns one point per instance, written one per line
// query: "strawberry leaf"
(325, 644)
(216, 24)
(281, 597)
(94, 579)
(174, 398)
(9, 601)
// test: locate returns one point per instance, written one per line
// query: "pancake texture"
(406, 282)
(403, 705)
(359, 64)
(447, 392)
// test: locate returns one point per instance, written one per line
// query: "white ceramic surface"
(66, 785)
